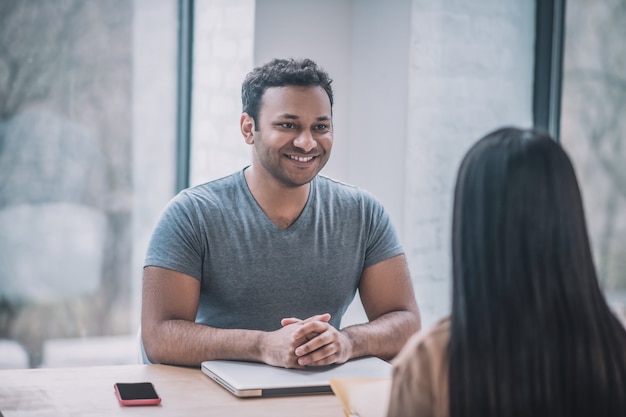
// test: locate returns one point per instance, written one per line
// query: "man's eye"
(322, 127)
(286, 125)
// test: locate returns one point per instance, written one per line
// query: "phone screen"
(137, 393)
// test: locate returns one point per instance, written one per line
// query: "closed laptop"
(252, 379)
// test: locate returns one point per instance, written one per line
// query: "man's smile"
(301, 158)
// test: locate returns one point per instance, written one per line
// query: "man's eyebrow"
(295, 117)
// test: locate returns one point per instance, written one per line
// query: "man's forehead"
(292, 100)
(287, 90)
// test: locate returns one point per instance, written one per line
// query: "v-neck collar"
(261, 213)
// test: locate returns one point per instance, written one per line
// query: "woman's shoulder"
(419, 385)
(431, 341)
(440, 331)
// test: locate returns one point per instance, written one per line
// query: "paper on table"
(362, 397)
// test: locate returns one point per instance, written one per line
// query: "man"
(262, 264)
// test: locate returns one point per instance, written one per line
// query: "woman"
(530, 332)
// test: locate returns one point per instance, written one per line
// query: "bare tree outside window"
(65, 169)
(594, 130)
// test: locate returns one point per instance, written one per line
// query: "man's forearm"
(383, 337)
(180, 342)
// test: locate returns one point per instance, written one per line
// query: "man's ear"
(246, 123)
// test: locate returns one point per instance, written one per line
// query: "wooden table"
(185, 392)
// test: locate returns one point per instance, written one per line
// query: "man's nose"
(305, 141)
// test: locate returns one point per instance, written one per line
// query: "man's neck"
(282, 204)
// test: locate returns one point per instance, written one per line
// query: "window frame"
(548, 73)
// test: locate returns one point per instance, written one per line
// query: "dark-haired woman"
(530, 332)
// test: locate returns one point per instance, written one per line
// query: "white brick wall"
(471, 67)
(223, 55)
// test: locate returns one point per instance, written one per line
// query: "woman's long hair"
(531, 334)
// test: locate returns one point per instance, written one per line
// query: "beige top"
(420, 375)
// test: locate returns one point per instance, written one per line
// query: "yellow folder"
(362, 397)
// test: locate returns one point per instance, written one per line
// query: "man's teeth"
(301, 158)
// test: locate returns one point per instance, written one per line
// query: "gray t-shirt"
(253, 273)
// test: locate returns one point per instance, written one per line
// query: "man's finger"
(292, 320)
(289, 320)
(319, 317)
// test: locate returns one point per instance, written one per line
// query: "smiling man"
(262, 264)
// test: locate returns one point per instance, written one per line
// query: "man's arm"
(389, 302)
(170, 335)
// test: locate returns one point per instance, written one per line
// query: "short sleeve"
(176, 243)
(382, 241)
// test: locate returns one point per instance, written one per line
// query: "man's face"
(294, 134)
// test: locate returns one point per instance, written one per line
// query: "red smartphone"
(136, 393)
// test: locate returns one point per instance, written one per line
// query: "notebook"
(252, 379)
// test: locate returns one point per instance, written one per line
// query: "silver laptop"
(252, 379)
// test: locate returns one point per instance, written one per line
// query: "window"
(87, 131)
(593, 130)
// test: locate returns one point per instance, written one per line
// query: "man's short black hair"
(280, 73)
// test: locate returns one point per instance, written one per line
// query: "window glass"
(70, 114)
(593, 130)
